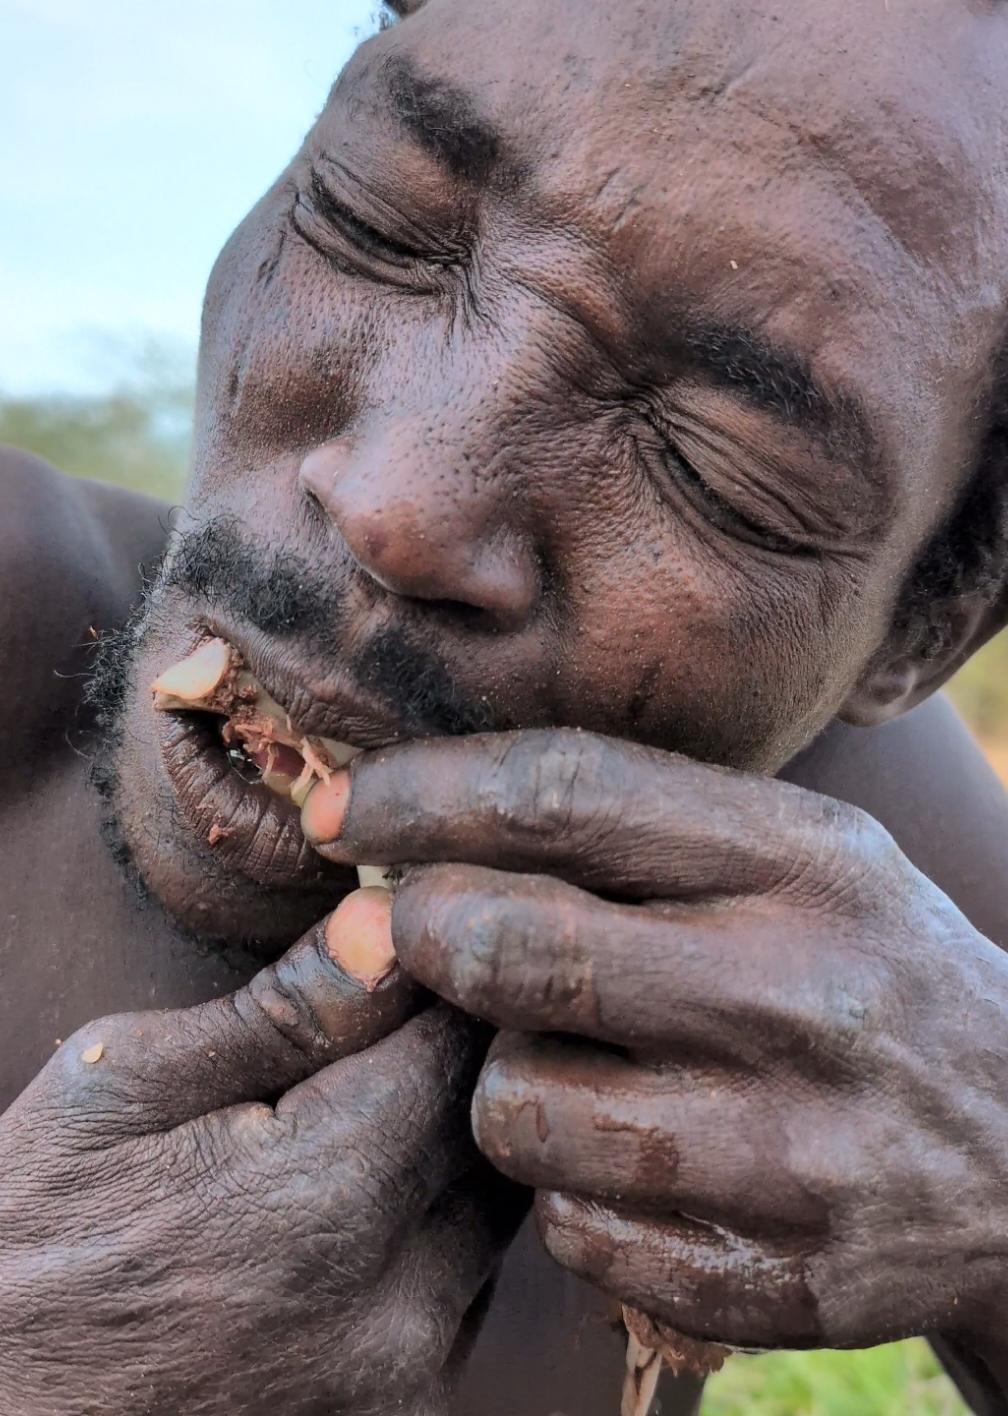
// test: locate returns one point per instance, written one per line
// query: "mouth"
(241, 765)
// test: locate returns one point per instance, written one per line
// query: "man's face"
(590, 364)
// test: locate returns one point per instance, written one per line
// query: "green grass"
(904, 1379)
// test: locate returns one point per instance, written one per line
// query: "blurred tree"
(135, 434)
(980, 691)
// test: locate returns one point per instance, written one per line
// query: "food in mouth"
(255, 729)
(653, 1345)
(213, 679)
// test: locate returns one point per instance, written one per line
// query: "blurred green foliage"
(903, 1379)
(137, 435)
(981, 691)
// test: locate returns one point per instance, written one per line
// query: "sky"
(135, 137)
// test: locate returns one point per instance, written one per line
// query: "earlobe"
(900, 679)
(882, 694)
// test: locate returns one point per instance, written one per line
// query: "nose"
(425, 531)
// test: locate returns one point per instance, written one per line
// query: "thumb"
(337, 991)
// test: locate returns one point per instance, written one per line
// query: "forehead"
(831, 175)
(900, 99)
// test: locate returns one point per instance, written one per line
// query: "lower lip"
(246, 826)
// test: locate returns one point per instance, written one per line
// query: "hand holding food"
(225, 1208)
(731, 1068)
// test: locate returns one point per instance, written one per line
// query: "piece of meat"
(653, 1345)
(213, 679)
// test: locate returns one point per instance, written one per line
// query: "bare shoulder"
(926, 780)
(70, 552)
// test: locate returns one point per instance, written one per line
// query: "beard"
(220, 566)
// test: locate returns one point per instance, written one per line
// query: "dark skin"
(104, 953)
(641, 438)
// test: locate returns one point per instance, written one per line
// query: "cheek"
(286, 346)
(723, 656)
(655, 630)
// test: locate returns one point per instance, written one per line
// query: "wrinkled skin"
(191, 1213)
(473, 449)
(740, 1089)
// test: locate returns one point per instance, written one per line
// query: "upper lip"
(333, 707)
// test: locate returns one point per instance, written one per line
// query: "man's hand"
(256, 1205)
(758, 1066)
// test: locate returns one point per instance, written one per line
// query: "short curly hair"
(393, 10)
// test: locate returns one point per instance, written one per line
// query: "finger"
(392, 1122)
(537, 955)
(556, 1115)
(335, 992)
(714, 1286)
(605, 814)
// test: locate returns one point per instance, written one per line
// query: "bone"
(652, 1345)
(195, 678)
(213, 680)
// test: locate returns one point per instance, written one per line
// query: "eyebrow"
(445, 121)
(780, 382)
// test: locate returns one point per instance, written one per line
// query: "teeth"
(214, 680)
(278, 782)
(192, 681)
(374, 875)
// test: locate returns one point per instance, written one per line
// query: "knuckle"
(425, 1335)
(490, 939)
(103, 1062)
(848, 853)
(549, 782)
(250, 1135)
(865, 840)
(272, 1007)
(109, 1033)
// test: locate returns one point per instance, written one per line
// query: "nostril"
(440, 540)
(317, 509)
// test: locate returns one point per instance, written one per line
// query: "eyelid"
(726, 515)
(338, 213)
(342, 196)
(353, 247)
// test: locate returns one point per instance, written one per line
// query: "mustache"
(280, 592)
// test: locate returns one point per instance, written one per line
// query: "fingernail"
(358, 936)
(324, 809)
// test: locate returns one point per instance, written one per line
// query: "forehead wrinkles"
(899, 109)
(862, 144)
(890, 116)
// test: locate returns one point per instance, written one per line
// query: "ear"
(904, 673)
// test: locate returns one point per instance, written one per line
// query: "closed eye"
(711, 504)
(345, 221)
